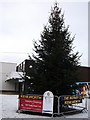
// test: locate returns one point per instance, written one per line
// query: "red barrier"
(37, 103)
(31, 103)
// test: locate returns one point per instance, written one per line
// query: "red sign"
(31, 103)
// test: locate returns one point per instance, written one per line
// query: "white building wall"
(5, 70)
(0, 76)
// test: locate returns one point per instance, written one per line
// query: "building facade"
(84, 74)
(5, 69)
(26, 68)
(18, 82)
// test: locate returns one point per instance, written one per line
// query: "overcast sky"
(22, 21)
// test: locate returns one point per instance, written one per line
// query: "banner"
(71, 99)
(31, 102)
(37, 103)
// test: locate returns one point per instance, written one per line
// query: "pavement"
(85, 114)
(9, 106)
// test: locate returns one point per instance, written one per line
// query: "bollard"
(89, 107)
(58, 105)
(86, 103)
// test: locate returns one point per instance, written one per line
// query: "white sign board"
(48, 99)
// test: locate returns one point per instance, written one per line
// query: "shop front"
(18, 80)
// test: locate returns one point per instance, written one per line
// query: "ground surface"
(9, 106)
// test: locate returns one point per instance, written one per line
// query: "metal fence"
(61, 108)
(54, 105)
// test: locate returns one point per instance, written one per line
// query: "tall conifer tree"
(55, 63)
